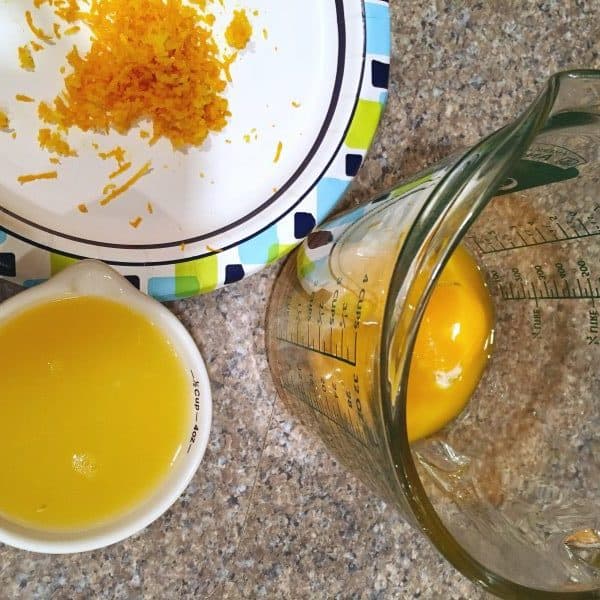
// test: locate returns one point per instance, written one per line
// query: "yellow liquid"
(94, 408)
(452, 347)
(451, 351)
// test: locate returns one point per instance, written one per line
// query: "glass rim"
(459, 197)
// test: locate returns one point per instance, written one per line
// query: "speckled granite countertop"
(271, 514)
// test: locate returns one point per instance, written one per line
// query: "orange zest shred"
(278, 151)
(39, 33)
(227, 62)
(52, 141)
(82, 208)
(25, 59)
(46, 113)
(68, 11)
(35, 177)
(135, 223)
(149, 59)
(150, 208)
(56, 29)
(35, 46)
(54, 160)
(239, 31)
(72, 30)
(23, 98)
(209, 19)
(117, 153)
(108, 187)
(120, 170)
(122, 189)
(4, 120)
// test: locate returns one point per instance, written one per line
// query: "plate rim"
(270, 201)
(376, 51)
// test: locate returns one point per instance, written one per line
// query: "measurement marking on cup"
(537, 293)
(476, 242)
(300, 386)
(339, 423)
(522, 238)
(491, 244)
(583, 227)
(317, 350)
(562, 229)
(535, 296)
(592, 292)
(341, 346)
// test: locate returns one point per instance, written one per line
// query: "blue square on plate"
(353, 162)
(234, 273)
(8, 264)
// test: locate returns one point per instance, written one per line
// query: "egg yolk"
(94, 409)
(450, 354)
(452, 347)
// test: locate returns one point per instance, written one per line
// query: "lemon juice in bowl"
(74, 416)
(104, 413)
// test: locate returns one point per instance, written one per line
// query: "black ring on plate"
(323, 131)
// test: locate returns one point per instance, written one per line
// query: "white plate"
(221, 211)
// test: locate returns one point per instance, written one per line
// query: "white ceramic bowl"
(92, 278)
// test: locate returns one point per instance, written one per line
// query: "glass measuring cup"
(509, 491)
